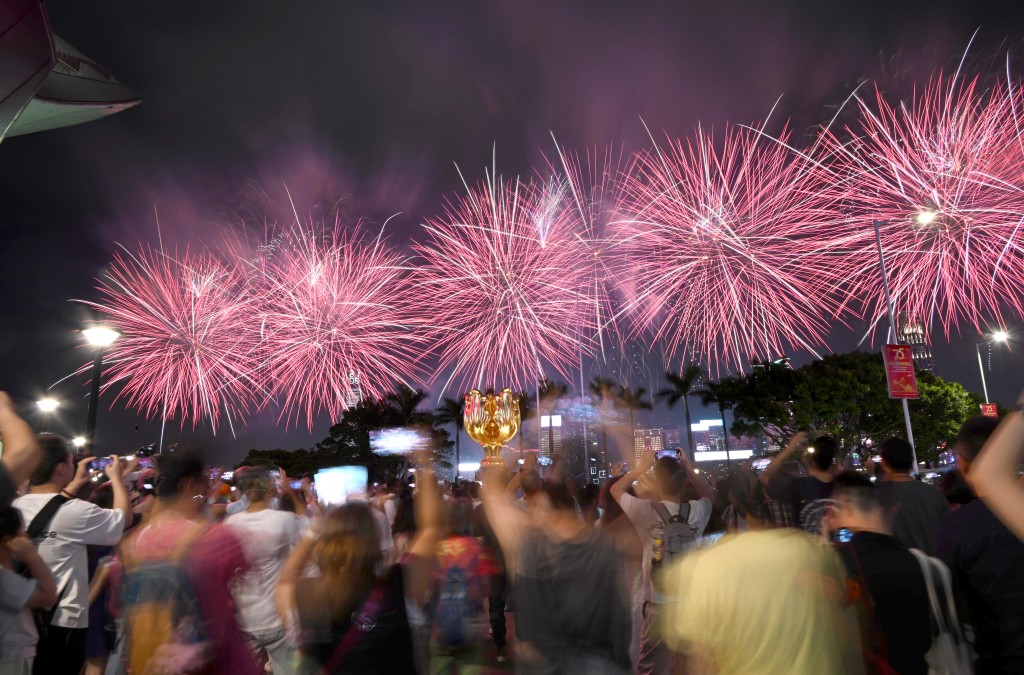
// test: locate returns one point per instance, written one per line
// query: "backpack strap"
(684, 516)
(662, 512)
(45, 515)
(666, 517)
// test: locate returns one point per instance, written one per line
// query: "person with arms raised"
(71, 525)
(653, 520)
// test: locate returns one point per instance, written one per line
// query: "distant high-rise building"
(910, 331)
(708, 435)
(355, 393)
(550, 435)
(574, 446)
(671, 437)
(644, 438)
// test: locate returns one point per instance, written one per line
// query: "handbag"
(949, 653)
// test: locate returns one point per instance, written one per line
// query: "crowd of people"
(803, 568)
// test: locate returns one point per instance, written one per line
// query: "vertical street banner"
(899, 371)
(989, 410)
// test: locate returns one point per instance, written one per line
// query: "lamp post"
(923, 218)
(998, 336)
(99, 338)
(47, 406)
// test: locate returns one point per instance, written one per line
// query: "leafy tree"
(680, 388)
(762, 401)
(846, 396)
(632, 400)
(348, 440)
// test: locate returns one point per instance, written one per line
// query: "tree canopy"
(348, 440)
(846, 396)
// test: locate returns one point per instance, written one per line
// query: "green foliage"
(348, 440)
(845, 395)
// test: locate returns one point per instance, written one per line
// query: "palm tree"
(633, 400)
(404, 401)
(450, 412)
(682, 387)
(717, 394)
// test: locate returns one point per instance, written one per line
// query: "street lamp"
(78, 441)
(925, 217)
(99, 338)
(46, 406)
(997, 336)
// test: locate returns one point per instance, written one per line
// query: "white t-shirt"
(62, 548)
(267, 537)
(649, 527)
(391, 508)
(387, 542)
(18, 636)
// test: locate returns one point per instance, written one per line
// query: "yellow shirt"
(761, 603)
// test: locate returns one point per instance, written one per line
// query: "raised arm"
(798, 440)
(506, 520)
(703, 488)
(291, 571)
(623, 484)
(115, 472)
(994, 474)
(24, 551)
(419, 568)
(21, 451)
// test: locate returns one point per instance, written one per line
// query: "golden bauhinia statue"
(491, 420)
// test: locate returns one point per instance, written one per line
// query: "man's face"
(65, 471)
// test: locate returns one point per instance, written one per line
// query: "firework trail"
(189, 336)
(942, 174)
(510, 281)
(340, 320)
(590, 185)
(719, 249)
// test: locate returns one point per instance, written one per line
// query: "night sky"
(377, 101)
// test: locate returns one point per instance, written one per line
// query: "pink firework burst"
(339, 320)
(718, 252)
(590, 187)
(189, 336)
(511, 280)
(942, 176)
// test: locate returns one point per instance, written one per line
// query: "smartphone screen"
(99, 464)
(146, 462)
(842, 536)
(338, 484)
(296, 484)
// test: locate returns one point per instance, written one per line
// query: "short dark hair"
(10, 521)
(824, 454)
(173, 469)
(559, 496)
(859, 488)
(53, 451)
(668, 473)
(897, 453)
(973, 435)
